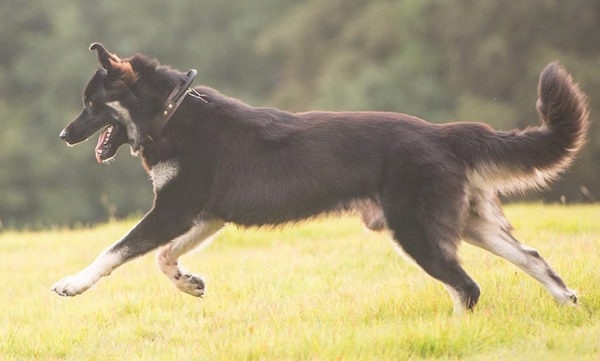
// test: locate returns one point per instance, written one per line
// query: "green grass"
(323, 290)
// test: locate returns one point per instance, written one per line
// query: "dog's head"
(109, 103)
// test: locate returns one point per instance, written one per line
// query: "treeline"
(441, 60)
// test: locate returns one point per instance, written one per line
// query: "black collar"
(175, 99)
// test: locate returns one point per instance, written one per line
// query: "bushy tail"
(563, 107)
(522, 159)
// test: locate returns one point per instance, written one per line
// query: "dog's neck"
(172, 103)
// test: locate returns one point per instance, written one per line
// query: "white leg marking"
(202, 233)
(86, 278)
(164, 172)
(459, 307)
(492, 236)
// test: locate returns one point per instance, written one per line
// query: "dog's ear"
(104, 57)
(113, 65)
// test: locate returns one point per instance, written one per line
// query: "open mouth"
(111, 138)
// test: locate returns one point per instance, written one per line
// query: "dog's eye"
(89, 103)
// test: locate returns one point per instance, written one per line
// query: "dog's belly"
(272, 202)
(272, 214)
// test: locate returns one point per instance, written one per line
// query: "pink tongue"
(100, 145)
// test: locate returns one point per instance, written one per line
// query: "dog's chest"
(162, 173)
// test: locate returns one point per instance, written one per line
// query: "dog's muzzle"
(63, 134)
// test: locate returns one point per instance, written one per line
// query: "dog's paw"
(566, 297)
(190, 284)
(72, 285)
(181, 278)
(572, 298)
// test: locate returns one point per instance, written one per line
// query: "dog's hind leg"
(488, 228)
(431, 238)
(440, 262)
(168, 256)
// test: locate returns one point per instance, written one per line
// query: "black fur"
(432, 185)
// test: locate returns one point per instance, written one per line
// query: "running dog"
(213, 159)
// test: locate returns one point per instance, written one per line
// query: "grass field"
(323, 290)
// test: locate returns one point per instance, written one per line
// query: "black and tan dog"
(213, 159)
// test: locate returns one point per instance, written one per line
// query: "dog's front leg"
(158, 227)
(168, 256)
(102, 266)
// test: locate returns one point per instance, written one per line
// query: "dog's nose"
(63, 134)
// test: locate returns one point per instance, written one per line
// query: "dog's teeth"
(108, 134)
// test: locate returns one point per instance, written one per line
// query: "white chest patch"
(164, 172)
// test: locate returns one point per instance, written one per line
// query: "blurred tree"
(441, 60)
(494, 52)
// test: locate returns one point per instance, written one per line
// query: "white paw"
(571, 298)
(73, 285)
(184, 281)
(190, 284)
